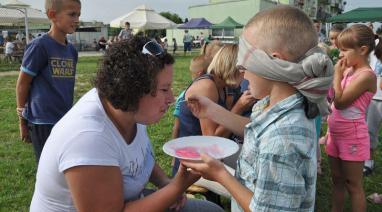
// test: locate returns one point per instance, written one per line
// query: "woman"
(98, 156)
(222, 73)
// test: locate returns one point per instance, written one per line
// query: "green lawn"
(17, 163)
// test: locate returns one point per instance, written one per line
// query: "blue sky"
(107, 10)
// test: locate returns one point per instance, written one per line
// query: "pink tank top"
(343, 121)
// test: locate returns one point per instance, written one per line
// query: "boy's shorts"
(187, 46)
(349, 150)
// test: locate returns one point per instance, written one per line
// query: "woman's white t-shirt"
(86, 136)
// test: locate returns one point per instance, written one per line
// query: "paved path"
(8, 73)
(80, 54)
(89, 54)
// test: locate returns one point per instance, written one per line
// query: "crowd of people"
(268, 93)
(14, 47)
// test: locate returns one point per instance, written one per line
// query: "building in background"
(241, 11)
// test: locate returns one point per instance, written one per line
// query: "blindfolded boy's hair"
(275, 30)
(56, 4)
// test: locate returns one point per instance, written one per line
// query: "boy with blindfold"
(276, 170)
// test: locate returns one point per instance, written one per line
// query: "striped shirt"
(278, 160)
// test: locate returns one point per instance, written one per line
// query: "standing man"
(201, 39)
(125, 33)
(187, 41)
(321, 36)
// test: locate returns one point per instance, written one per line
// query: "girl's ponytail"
(378, 48)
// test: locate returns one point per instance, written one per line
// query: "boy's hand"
(24, 134)
(200, 106)
(210, 168)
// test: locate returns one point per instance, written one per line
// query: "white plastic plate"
(189, 148)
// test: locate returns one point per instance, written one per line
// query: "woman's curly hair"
(126, 74)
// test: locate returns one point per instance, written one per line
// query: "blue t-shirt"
(179, 100)
(53, 68)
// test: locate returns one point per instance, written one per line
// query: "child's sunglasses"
(152, 48)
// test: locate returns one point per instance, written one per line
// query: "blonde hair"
(210, 49)
(223, 65)
(275, 31)
(56, 4)
(199, 64)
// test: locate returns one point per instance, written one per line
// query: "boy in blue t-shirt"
(45, 87)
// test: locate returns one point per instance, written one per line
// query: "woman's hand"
(245, 101)
(200, 106)
(179, 204)
(185, 178)
(209, 168)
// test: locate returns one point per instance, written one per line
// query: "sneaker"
(368, 168)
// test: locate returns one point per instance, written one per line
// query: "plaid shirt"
(278, 161)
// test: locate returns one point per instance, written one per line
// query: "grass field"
(17, 162)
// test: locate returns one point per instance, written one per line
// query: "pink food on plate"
(187, 152)
(194, 152)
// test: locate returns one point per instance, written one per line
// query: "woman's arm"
(158, 177)
(96, 188)
(209, 125)
(206, 88)
(175, 128)
(100, 188)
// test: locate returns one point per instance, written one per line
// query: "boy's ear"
(51, 14)
(278, 55)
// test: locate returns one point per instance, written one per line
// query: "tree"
(172, 16)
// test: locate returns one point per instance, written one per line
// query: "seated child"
(198, 67)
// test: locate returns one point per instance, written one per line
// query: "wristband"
(19, 111)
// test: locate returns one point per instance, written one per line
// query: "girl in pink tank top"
(348, 145)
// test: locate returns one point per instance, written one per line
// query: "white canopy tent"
(17, 13)
(143, 18)
(14, 17)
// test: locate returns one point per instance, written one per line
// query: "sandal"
(375, 198)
